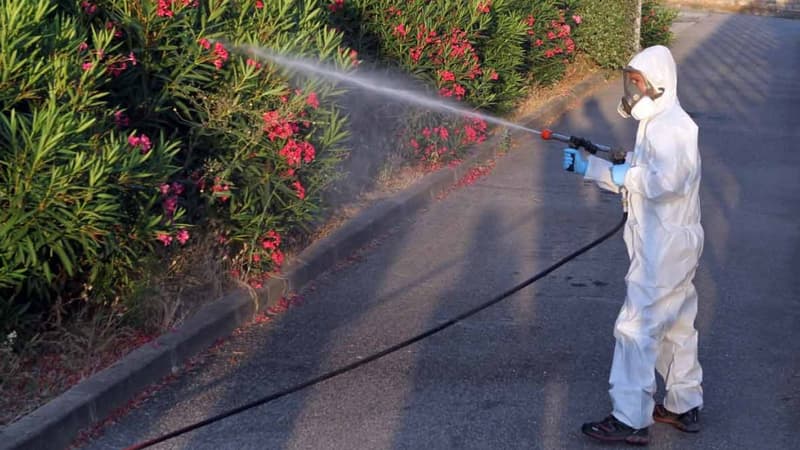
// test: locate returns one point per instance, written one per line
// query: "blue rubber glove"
(618, 173)
(574, 158)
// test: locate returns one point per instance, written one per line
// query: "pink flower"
(86, 66)
(277, 127)
(312, 100)
(459, 91)
(223, 188)
(253, 63)
(170, 204)
(292, 152)
(471, 135)
(116, 69)
(336, 5)
(121, 120)
(577, 19)
(220, 51)
(88, 8)
(143, 142)
(272, 240)
(277, 258)
(447, 75)
(259, 4)
(164, 8)
(112, 26)
(443, 133)
(416, 54)
(400, 30)
(484, 7)
(183, 236)
(570, 45)
(530, 20)
(83, 46)
(204, 43)
(309, 152)
(301, 191)
(539, 42)
(164, 189)
(165, 239)
(494, 76)
(177, 188)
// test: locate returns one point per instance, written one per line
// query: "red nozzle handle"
(546, 134)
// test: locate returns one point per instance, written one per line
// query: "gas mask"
(637, 103)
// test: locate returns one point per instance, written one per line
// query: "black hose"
(384, 352)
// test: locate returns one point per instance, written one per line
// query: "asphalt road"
(527, 372)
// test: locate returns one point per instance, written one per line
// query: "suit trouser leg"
(677, 361)
(643, 322)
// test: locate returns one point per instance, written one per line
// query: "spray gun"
(616, 155)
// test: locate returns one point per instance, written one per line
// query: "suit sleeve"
(665, 173)
(599, 171)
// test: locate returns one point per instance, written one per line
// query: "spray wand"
(616, 155)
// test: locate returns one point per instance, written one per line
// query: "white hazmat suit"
(664, 238)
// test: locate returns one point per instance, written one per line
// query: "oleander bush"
(607, 33)
(656, 21)
(130, 126)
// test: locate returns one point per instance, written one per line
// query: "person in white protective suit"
(664, 237)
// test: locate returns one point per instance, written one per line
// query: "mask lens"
(632, 93)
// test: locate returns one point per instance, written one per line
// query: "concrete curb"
(56, 424)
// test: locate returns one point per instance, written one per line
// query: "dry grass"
(580, 69)
(193, 278)
(93, 339)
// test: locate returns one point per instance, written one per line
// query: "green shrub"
(128, 124)
(78, 196)
(606, 33)
(656, 21)
(258, 147)
(483, 53)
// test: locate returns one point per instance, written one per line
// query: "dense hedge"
(131, 127)
(607, 32)
(482, 53)
(657, 18)
(127, 128)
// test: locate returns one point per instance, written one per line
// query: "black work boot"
(688, 421)
(612, 430)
